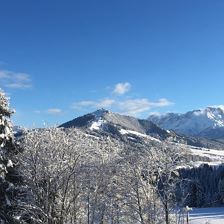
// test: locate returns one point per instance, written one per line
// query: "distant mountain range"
(109, 123)
(208, 122)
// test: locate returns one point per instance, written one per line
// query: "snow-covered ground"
(97, 124)
(126, 132)
(212, 157)
(212, 153)
(216, 156)
(207, 216)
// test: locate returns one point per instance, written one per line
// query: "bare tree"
(80, 178)
(52, 166)
(167, 161)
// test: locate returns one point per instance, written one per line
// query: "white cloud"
(4, 75)
(16, 80)
(104, 103)
(163, 102)
(133, 107)
(51, 111)
(54, 111)
(122, 88)
(121, 104)
(18, 85)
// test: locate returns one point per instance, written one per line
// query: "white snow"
(212, 157)
(123, 132)
(17, 217)
(91, 136)
(214, 163)
(207, 216)
(193, 122)
(126, 132)
(97, 124)
(2, 136)
(217, 155)
(10, 163)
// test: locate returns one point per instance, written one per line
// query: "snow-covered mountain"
(114, 123)
(104, 122)
(208, 122)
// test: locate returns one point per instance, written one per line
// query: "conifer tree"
(14, 196)
(6, 164)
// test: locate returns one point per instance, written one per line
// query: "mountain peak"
(194, 122)
(108, 122)
(100, 112)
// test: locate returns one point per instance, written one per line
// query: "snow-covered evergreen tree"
(13, 192)
(6, 164)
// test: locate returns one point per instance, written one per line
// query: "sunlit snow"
(96, 124)
(207, 216)
(125, 132)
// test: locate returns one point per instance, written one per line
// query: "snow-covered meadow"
(207, 216)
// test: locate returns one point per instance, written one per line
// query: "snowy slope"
(207, 216)
(216, 157)
(202, 122)
(130, 132)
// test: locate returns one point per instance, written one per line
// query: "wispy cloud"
(54, 111)
(122, 88)
(136, 107)
(133, 107)
(163, 102)
(15, 80)
(123, 104)
(104, 103)
(50, 111)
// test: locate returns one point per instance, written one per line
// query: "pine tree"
(14, 196)
(6, 149)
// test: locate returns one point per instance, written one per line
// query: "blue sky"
(62, 59)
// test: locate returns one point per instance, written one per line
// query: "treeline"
(203, 186)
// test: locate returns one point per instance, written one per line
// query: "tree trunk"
(167, 213)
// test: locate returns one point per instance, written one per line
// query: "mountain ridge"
(102, 119)
(106, 122)
(200, 123)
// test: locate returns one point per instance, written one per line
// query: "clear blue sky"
(61, 59)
